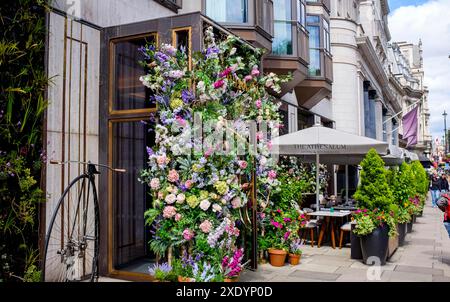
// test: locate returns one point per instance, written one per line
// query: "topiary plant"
(420, 178)
(373, 191)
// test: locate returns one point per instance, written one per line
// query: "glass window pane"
(312, 19)
(130, 198)
(282, 42)
(303, 14)
(282, 10)
(129, 93)
(314, 63)
(233, 11)
(314, 36)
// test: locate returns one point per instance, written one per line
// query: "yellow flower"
(221, 187)
(192, 201)
(204, 194)
(176, 103)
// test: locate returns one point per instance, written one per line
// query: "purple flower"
(187, 96)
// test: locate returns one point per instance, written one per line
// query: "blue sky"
(428, 20)
(394, 4)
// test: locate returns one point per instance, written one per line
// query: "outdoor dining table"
(329, 223)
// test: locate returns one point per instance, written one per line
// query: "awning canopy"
(326, 141)
(322, 142)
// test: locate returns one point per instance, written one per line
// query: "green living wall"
(22, 104)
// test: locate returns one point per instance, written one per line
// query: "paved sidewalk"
(425, 257)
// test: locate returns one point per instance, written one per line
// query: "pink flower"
(173, 176)
(286, 235)
(209, 152)
(219, 84)
(269, 145)
(272, 174)
(248, 78)
(188, 184)
(155, 184)
(170, 199)
(181, 121)
(206, 226)
(255, 72)
(258, 104)
(177, 217)
(225, 72)
(263, 215)
(161, 160)
(188, 234)
(236, 202)
(169, 212)
(242, 164)
(291, 171)
(259, 135)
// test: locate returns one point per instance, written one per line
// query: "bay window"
(227, 11)
(313, 22)
(282, 41)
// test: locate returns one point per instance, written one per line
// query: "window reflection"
(314, 46)
(232, 11)
(282, 41)
(129, 93)
(129, 196)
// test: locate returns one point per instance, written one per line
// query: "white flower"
(216, 208)
(204, 204)
(233, 51)
(201, 86)
(181, 198)
(170, 199)
(263, 161)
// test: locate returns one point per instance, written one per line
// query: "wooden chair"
(310, 226)
(345, 228)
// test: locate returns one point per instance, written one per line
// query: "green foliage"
(23, 83)
(374, 191)
(402, 184)
(364, 226)
(421, 180)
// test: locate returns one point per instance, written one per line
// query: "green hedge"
(23, 83)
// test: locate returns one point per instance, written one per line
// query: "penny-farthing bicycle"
(72, 240)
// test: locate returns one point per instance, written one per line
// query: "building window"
(282, 41)
(313, 22)
(326, 36)
(229, 11)
(129, 93)
(301, 13)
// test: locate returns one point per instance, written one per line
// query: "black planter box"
(409, 226)
(355, 249)
(376, 245)
(402, 230)
(414, 218)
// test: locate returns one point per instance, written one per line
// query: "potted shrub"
(403, 218)
(162, 272)
(295, 251)
(184, 268)
(282, 230)
(374, 223)
(374, 229)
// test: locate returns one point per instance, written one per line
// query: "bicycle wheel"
(72, 240)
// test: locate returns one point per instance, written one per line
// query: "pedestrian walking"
(444, 183)
(435, 188)
(443, 204)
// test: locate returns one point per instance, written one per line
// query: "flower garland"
(197, 182)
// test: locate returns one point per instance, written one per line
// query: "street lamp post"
(445, 133)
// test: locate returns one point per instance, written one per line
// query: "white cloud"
(431, 23)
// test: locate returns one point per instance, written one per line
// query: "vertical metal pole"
(317, 183)
(346, 183)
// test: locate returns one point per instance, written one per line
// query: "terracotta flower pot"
(234, 279)
(185, 279)
(294, 259)
(277, 257)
